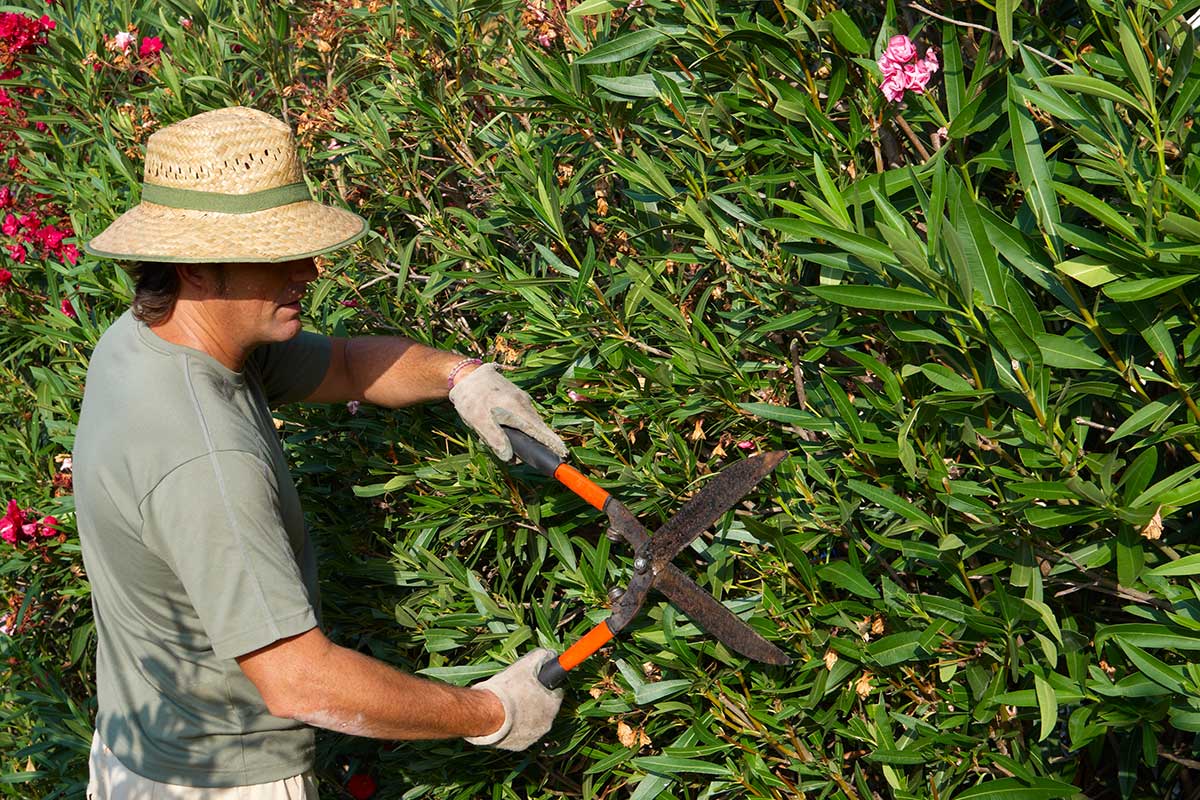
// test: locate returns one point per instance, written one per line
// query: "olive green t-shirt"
(196, 549)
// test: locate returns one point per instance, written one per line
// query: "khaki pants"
(110, 780)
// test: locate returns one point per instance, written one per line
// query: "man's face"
(260, 303)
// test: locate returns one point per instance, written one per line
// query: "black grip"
(532, 452)
(552, 675)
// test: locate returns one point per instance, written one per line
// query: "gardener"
(211, 663)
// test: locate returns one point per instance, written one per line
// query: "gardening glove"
(529, 707)
(486, 400)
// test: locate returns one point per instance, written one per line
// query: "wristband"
(466, 362)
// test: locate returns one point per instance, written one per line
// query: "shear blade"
(720, 495)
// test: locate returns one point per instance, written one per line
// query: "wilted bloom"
(123, 40)
(902, 70)
(68, 309)
(150, 46)
(350, 303)
(352, 406)
(361, 787)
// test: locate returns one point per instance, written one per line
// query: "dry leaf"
(698, 431)
(630, 737)
(877, 625)
(863, 686)
(831, 658)
(1153, 529)
(596, 692)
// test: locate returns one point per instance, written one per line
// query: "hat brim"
(150, 232)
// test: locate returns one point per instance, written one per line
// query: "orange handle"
(574, 480)
(554, 672)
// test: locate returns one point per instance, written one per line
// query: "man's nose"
(305, 271)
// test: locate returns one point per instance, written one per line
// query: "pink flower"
(51, 237)
(185, 23)
(745, 445)
(5, 278)
(123, 40)
(17, 252)
(352, 406)
(150, 46)
(893, 87)
(68, 309)
(900, 49)
(6, 197)
(903, 71)
(69, 254)
(916, 76)
(10, 226)
(350, 303)
(575, 396)
(11, 523)
(48, 526)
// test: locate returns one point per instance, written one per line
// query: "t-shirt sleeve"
(215, 522)
(291, 370)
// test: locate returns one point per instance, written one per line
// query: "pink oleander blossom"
(903, 71)
(5, 278)
(124, 40)
(68, 309)
(48, 526)
(150, 46)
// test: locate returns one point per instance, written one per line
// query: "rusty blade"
(721, 494)
(704, 610)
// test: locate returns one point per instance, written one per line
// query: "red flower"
(51, 237)
(5, 278)
(69, 254)
(150, 46)
(47, 526)
(6, 197)
(10, 226)
(361, 787)
(11, 523)
(68, 309)
(17, 252)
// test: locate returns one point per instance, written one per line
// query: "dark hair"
(155, 290)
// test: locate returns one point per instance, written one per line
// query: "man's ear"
(202, 279)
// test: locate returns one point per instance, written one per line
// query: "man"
(211, 663)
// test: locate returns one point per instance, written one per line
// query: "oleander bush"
(955, 280)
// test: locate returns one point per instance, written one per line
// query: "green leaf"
(1152, 413)
(1143, 288)
(673, 765)
(1088, 270)
(878, 298)
(1153, 668)
(847, 33)
(1047, 706)
(1004, 22)
(845, 575)
(1030, 160)
(895, 648)
(1059, 351)
(1188, 565)
(625, 46)
(589, 7)
(1135, 58)
(1096, 87)
(1097, 208)
(1148, 635)
(1014, 789)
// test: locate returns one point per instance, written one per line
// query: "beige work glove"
(485, 400)
(529, 707)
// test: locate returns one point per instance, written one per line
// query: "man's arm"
(388, 371)
(310, 679)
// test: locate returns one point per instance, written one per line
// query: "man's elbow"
(283, 673)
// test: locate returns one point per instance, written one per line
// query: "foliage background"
(694, 228)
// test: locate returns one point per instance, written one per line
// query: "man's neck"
(190, 326)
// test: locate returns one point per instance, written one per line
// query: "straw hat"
(225, 186)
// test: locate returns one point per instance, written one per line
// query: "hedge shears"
(653, 554)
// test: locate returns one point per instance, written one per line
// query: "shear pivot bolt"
(641, 564)
(616, 593)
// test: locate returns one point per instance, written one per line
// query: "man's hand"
(486, 400)
(529, 707)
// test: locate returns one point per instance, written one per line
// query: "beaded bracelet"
(466, 362)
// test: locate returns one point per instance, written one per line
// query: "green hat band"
(225, 203)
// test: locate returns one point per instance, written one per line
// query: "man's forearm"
(388, 371)
(310, 679)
